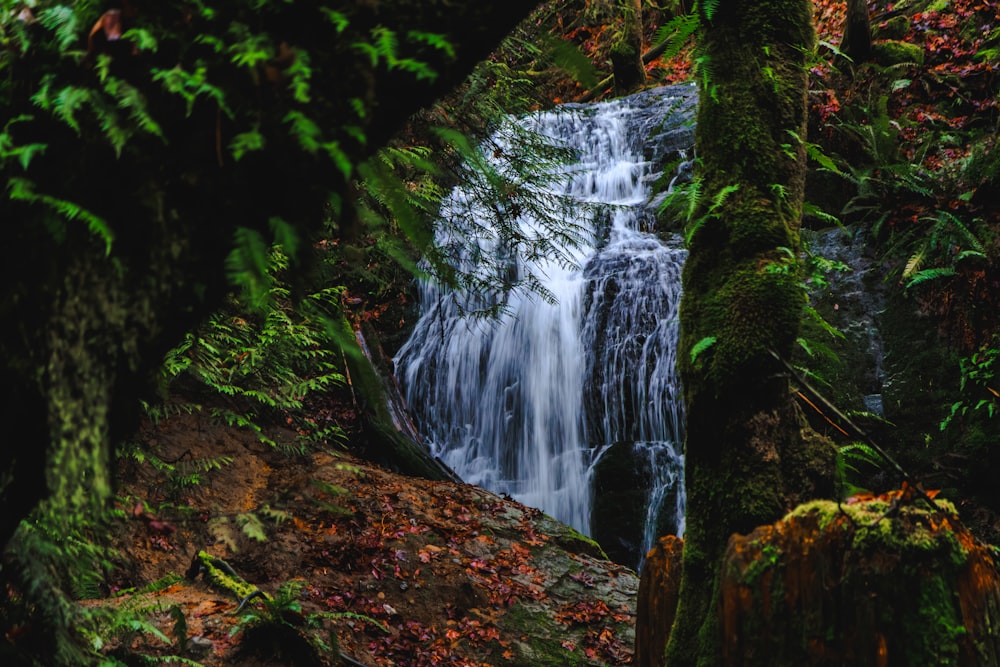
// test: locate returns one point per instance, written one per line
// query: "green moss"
(894, 52)
(894, 28)
(541, 636)
(569, 538)
(220, 575)
(876, 526)
(935, 627)
(768, 559)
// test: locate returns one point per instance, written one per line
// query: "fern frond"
(568, 57)
(677, 33)
(930, 274)
(434, 40)
(709, 7)
(62, 20)
(24, 190)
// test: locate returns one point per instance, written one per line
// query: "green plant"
(278, 626)
(941, 238)
(119, 628)
(854, 463)
(256, 367)
(978, 383)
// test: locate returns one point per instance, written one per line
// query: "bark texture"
(873, 583)
(749, 455)
(626, 56)
(857, 41)
(659, 586)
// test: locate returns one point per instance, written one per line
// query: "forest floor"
(398, 570)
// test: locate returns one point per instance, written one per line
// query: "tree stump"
(879, 581)
(659, 586)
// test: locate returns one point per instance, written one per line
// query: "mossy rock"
(895, 28)
(888, 52)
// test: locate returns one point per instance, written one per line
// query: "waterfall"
(532, 403)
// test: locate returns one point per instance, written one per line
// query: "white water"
(527, 405)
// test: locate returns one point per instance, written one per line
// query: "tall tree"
(749, 454)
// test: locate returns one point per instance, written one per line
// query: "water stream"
(531, 404)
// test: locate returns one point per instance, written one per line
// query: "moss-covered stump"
(659, 587)
(880, 581)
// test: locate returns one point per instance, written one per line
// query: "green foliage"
(248, 524)
(941, 237)
(278, 626)
(688, 202)
(568, 57)
(854, 463)
(54, 559)
(253, 368)
(678, 33)
(701, 346)
(978, 384)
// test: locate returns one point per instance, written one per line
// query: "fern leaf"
(246, 142)
(914, 262)
(305, 130)
(62, 20)
(677, 32)
(569, 58)
(434, 40)
(247, 265)
(930, 274)
(338, 19)
(709, 7)
(701, 346)
(252, 526)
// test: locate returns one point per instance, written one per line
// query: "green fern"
(701, 346)
(24, 190)
(568, 57)
(63, 21)
(709, 7)
(929, 274)
(854, 461)
(677, 33)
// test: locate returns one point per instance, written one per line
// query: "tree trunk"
(626, 55)
(875, 583)
(857, 41)
(656, 602)
(749, 457)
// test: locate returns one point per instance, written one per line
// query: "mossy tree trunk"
(626, 55)
(886, 581)
(749, 455)
(857, 41)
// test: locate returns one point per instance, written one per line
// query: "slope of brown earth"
(403, 571)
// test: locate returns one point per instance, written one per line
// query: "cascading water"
(530, 404)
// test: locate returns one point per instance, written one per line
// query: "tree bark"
(656, 601)
(857, 41)
(749, 455)
(873, 583)
(626, 55)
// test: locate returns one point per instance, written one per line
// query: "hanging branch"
(858, 431)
